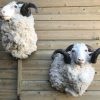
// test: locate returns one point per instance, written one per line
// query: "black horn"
(20, 2)
(90, 49)
(67, 58)
(25, 9)
(69, 48)
(31, 5)
(94, 56)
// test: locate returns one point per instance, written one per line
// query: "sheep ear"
(67, 58)
(94, 56)
(69, 48)
(25, 9)
(90, 49)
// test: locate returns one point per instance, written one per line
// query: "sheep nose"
(80, 59)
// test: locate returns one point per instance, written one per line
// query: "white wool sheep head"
(13, 8)
(79, 53)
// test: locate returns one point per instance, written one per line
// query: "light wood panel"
(66, 25)
(65, 3)
(51, 45)
(8, 64)
(7, 84)
(67, 10)
(8, 74)
(69, 35)
(8, 95)
(53, 95)
(36, 64)
(67, 17)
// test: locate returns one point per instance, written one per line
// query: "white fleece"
(70, 78)
(18, 36)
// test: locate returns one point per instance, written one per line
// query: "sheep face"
(10, 10)
(80, 54)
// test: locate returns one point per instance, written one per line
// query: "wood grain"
(54, 95)
(70, 17)
(64, 3)
(8, 74)
(69, 35)
(51, 45)
(66, 25)
(8, 64)
(67, 10)
(7, 84)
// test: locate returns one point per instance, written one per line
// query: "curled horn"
(67, 58)
(94, 56)
(90, 49)
(25, 11)
(69, 48)
(31, 5)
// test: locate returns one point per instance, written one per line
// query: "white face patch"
(10, 10)
(79, 53)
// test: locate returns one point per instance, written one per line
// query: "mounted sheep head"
(79, 53)
(13, 8)
(18, 32)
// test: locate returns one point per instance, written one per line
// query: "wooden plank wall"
(58, 24)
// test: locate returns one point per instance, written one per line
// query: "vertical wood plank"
(19, 78)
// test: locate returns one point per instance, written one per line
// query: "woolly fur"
(18, 36)
(70, 78)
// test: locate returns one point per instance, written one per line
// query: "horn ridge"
(69, 48)
(20, 2)
(90, 49)
(95, 55)
(25, 9)
(67, 58)
(33, 6)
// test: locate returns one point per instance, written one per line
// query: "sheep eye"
(73, 50)
(15, 6)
